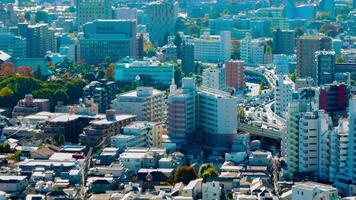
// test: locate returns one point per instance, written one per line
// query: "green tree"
(206, 171)
(339, 60)
(61, 139)
(185, 174)
(293, 77)
(241, 113)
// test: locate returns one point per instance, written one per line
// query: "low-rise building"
(13, 184)
(313, 190)
(100, 130)
(136, 158)
(29, 105)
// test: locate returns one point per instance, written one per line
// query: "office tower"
(325, 65)
(306, 48)
(39, 39)
(15, 46)
(125, 13)
(102, 91)
(188, 65)
(108, 38)
(303, 100)
(245, 49)
(162, 17)
(283, 42)
(283, 95)
(214, 77)
(334, 99)
(147, 103)
(212, 48)
(235, 75)
(182, 114)
(90, 10)
(217, 119)
(150, 72)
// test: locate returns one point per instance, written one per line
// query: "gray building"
(306, 48)
(90, 10)
(283, 42)
(39, 39)
(162, 17)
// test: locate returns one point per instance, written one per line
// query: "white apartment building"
(212, 48)
(283, 95)
(214, 77)
(217, 116)
(147, 103)
(313, 191)
(252, 51)
(303, 100)
(346, 179)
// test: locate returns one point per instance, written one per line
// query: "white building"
(212, 48)
(217, 116)
(147, 103)
(313, 131)
(214, 77)
(139, 134)
(303, 100)
(313, 191)
(283, 95)
(211, 191)
(136, 158)
(13, 184)
(282, 63)
(252, 51)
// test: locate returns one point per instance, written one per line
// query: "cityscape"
(177, 99)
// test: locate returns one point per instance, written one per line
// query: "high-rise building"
(235, 75)
(214, 77)
(303, 100)
(162, 17)
(102, 91)
(313, 150)
(90, 10)
(147, 103)
(212, 113)
(325, 67)
(283, 95)
(188, 58)
(182, 114)
(347, 176)
(212, 48)
(108, 38)
(15, 46)
(283, 42)
(39, 39)
(217, 119)
(252, 51)
(306, 48)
